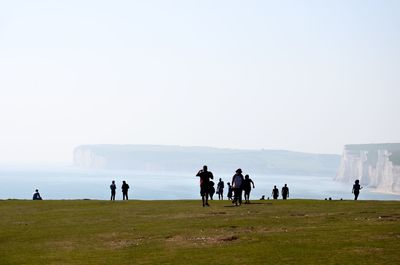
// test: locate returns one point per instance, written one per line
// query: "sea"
(63, 182)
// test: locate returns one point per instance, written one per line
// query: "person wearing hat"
(237, 182)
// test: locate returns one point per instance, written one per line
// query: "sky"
(306, 76)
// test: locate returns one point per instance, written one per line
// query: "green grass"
(183, 232)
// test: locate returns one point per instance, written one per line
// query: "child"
(229, 191)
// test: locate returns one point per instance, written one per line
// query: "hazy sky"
(298, 75)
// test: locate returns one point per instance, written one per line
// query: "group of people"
(239, 185)
(124, 188)
(242, 185)
(285, 192)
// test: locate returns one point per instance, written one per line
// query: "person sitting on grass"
(36, 195)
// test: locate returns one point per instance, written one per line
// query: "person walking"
(247, 183)
(113, 187)
(275, 193)
(237, 182)
(285, 192)
(125, 188)
(205, 177)
(356, 189)
(220, 189)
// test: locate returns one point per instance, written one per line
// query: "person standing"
(205, 177)
(237, 182)
(229, 195)
(285, 192)
(212, 190)
(113, 187)
(220, 189)
(125, 188)
(247, 188)
(36, 196)
(356, 189)
(275, 193)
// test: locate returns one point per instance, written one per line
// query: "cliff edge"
(375, 165)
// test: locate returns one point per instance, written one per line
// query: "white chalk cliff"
(189, 159)
(86, 158)
(375, 165)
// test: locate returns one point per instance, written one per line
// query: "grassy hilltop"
(183, 232)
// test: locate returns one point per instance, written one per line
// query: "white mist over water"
(63, 182)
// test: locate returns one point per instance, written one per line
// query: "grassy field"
(183, 232)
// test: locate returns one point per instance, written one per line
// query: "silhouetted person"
(275, 193)
(247, 183)
(36, 196)
(237, 182)
(125, 188)
(285, 192)
(356, 189)
(212, 189)
(113, 187)
(220, 189)
(262, 198)
(205, 177)
(229, 195)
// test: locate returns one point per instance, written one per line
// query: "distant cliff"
(190, 159)
(375, 165)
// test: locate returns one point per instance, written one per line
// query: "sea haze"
(64, 182)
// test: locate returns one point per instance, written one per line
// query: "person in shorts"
(205, 177)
